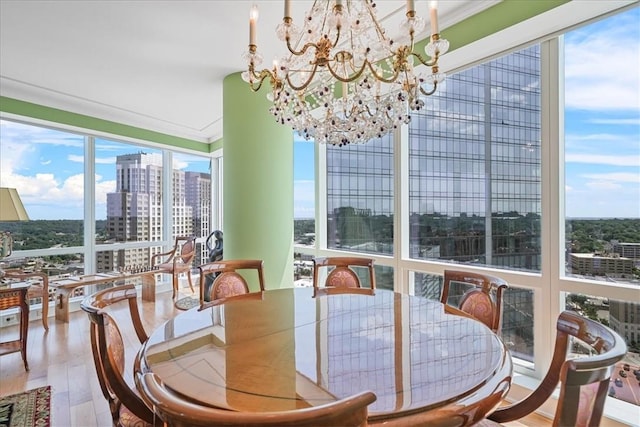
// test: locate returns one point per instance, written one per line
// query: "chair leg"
(175, 285)
(45, 312)
(24, 332)
(190, 282)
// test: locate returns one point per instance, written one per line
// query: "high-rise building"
(198, 197)
(135, 210)
(474, 177)
(624, 318)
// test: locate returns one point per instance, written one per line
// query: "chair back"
(584, 380)
(342, 274)
(109, 352)
(177, 261)
(188, 250)
(228, 282)
(177, 412)
(482, 300)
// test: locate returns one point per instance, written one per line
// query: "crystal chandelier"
(344, 80)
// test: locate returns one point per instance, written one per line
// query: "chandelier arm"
(306, 83)
(260, 77)
(423, 61)
(338, 31)
(349, 79)
(429, 92)
(304, 48)
(255, 88)
(393, 78)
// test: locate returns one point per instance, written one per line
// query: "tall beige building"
(135, 210)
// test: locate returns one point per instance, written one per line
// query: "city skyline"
(47, 165)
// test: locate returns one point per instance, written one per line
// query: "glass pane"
(304, 233)
(303, 179)
(517, 322)
(624, 318)
(360, 197)
(384, 277)
(474, 166)
(192, 201)
(46, 168)
(601, 151)
(128, 193)
(128, 202)
(517, 312)
(302, 270)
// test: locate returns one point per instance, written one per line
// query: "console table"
(64, 287)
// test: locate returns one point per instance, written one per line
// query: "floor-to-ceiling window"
(474, 179)
(98, 204)
(46, 167)
(360, 200)
(495, 181)
(601, 191)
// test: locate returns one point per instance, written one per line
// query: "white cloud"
(102, 188)
(603, 185)
(76, 159)
(615, 121)
(598, 75)
(106, 161)
(18, 133)
(304, 199)
(304, 191)
(600, 159)
(614, 177)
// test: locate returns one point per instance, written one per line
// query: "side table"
(15, 295)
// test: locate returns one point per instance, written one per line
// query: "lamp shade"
(11, 208)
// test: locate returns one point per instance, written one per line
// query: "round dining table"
(291, 348)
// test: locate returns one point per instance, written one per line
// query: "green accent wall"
(257, 183)
(496, 18)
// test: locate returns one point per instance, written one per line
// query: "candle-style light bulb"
(433, 16)
(411, 6)
(253, 18)
(287, 8)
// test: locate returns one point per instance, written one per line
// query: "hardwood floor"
(62, 358)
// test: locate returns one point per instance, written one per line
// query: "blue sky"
(602, 139)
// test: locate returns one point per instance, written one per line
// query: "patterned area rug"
(185, 303)
(28, 409)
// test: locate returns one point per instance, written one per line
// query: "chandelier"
(344, 80)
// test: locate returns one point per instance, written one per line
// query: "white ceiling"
(152, 64)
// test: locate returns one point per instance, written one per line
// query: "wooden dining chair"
(482, 297)
(37, 289)
(177, 261)
(228, 282)
(126, 406)
(584, 379)
(178, 412)
(341, 272)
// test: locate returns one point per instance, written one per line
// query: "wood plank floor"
(62, 358)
